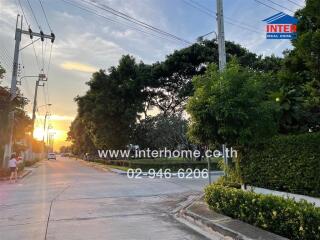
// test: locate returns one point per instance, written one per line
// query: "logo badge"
(281, 26)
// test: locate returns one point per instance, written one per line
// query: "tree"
(171, 83)
(299, 77)
(79, 137)
(110, 108)
(231, 107)
(161, 131)
(22, 122)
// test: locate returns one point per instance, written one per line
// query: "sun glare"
(38, 133)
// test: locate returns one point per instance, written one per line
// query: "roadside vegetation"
(268, 108)
(285, 217)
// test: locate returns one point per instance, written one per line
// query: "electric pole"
(222, 54)
(44, 130)
(13, 90)
(221, 39)
(44, 125)
(42, 77)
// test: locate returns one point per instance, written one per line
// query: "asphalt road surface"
(66, 199)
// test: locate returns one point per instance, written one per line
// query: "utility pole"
(13, 90)
(44, 130)
(221, 39)
(42, 77)
(44, 125)
(222, 54)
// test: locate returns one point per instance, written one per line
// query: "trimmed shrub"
(285, 217)
(285, 163)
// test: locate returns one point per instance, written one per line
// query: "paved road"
(65, 199)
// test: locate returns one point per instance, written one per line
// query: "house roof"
(281, 18)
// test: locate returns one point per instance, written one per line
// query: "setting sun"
(38, 133)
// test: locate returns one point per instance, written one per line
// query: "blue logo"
(281, 26)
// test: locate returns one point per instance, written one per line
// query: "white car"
(52, 156)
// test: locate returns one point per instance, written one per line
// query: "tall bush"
(286, 163)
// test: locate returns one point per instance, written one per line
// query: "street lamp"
(200, 38)
(48, 104)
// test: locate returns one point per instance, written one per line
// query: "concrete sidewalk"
(21, 174)
(199, 214)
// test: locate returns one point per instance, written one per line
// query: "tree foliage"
(231, 107)
(300, 75)
(22, 122)
(172, 78)
(110, 107)
(161, 131)
(79, 136)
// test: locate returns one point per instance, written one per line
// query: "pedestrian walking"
(13, 168)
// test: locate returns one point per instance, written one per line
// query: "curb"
(21, 176)
(211, 226)
(219, 225)
(93, 165)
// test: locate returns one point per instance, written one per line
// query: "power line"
(279, 5)
(201, 9)
(24, 15)
(48, 71)
(268, 6)
(32, 41)
(206, 11)
(35, 54)
(117, 22)
(243, 27)
(134, 20)
(295, 3)
(34, 16)
(45, 15)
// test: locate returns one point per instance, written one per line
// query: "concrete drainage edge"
(209, 225)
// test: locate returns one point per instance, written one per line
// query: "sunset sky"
(85, 43)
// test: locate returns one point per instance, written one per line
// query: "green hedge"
(285, 217)
(286, 163)
(146, 164)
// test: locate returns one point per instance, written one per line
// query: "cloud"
(76, 66)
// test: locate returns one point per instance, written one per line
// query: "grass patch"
(118, 167)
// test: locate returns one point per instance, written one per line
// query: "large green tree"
(79, 136)
(299, 94)
(171, 83)
(231, 107)
(161, 131)
(110, 107)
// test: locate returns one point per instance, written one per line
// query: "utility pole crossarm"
(40, 35)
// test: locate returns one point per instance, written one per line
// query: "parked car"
(52, 156)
